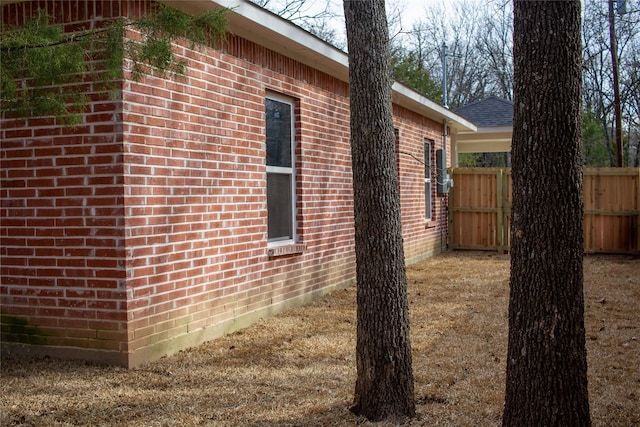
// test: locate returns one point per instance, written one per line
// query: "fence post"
(499, 212)
(638, 216)
(450, 205)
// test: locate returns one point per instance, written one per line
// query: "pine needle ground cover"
(298, 369)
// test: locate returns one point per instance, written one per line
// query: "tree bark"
(384, 386)
(617, 108)
(546, 363)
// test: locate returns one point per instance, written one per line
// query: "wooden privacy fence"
(480, 209)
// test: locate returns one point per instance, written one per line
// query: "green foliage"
(409, 69)
(41, 65)
(37, 63)
(160, 28)
(594, 145)
(484, 160)
(468, 160)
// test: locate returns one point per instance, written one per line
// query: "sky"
(412, 10)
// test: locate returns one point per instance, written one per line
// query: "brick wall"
(195, 193)
(421, 238)
(62, 230)
(144, 230)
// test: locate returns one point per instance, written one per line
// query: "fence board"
(475, 219)
(480, 209)
(611, 209)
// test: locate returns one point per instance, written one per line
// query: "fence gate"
(480, 209)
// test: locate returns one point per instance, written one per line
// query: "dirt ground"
(298, 369)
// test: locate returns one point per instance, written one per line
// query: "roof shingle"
(489, 112)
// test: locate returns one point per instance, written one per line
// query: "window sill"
(430, 224)
(284, 250)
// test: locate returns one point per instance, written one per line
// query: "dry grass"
(297, 369)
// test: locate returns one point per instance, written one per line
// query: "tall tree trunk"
(384, 386)
(546, 362)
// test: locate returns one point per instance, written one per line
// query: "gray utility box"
(443, 182)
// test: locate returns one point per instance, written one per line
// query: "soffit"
(485, 140)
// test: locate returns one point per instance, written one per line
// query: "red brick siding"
(62, 226)
(195, 180)
(421, 237)
(149, 222)
(75, 14)
(62, 229)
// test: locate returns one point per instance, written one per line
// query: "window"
(396, 133)
(280, 169)
(427, 180)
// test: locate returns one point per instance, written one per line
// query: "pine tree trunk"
(546, 362)
(384, 385)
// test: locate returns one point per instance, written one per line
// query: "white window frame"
(428, 180)
(291, 171)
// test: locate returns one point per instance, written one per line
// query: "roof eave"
(406, 97)
(488, 130)
(489, 139)
(256, 24)
(267, 29)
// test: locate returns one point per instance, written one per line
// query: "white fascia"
(256, 24)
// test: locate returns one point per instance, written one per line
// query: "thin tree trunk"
(546, 362)
(617, 108)
(384, 386)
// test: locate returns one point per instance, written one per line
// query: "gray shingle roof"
(489, 112)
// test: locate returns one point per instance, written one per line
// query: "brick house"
(190, 207)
